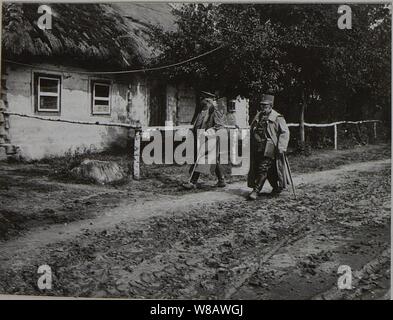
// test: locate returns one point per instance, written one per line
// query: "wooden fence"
(139, 129)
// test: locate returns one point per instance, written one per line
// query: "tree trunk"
(302, 136)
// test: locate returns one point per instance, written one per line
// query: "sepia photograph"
(225, 151)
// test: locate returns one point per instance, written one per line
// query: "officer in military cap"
(209, 119)
(269, 136)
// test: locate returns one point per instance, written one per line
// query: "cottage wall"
(241, 115)
(181, 103)
(138, 101)
(6, 149)
(130, 101)
(38, 139)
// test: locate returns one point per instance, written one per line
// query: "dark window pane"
(49, 103)
(48, 85)
(101, 91)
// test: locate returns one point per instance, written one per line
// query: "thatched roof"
(141, 16)
(85, 34)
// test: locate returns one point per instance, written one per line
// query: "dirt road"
(209, 244)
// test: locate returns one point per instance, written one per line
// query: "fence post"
(335, 136)
(375, 130)
(137, 154)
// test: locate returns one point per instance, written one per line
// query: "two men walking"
(269, 137)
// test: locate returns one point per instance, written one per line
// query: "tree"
(296, 52)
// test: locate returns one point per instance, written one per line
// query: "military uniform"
(259, 139)
(269, 141)
(209, 117)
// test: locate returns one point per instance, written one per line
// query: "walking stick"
(195, 164)
(199, 155)
(290, 175)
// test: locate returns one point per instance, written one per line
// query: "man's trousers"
(265, 169)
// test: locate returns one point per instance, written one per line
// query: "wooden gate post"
(137, 154)
(335, 136)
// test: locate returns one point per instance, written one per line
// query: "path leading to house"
(215, 244)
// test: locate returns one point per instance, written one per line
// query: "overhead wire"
(123, 71)
(158, 67)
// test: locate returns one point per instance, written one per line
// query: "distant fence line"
(335, 124)
(331, 124)
(138, 129)
(163, 128)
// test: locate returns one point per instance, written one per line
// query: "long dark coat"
(278, 131)
(215, 120)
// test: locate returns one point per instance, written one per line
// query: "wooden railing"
(139, 129)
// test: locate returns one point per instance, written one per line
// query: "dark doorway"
(157, 104)
(252, 109)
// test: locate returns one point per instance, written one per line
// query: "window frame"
(108, 84)
(37, 76)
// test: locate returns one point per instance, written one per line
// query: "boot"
(258, 187)
(189, 185)
(275, 192)
(192, 184)
(253, 195)
(260, 183)
(221, 183)
(276, 188)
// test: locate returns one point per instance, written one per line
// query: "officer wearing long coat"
(209, 119)
(269, 136)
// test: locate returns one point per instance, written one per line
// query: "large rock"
(101, 172)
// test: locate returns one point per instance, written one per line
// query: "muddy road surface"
(135, 241)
